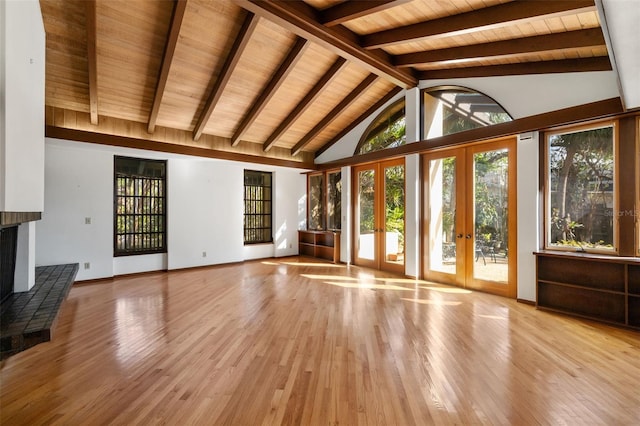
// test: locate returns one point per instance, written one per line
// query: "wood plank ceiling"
(285, 79)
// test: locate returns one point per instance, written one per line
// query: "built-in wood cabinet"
(598, 287)
(321, 244)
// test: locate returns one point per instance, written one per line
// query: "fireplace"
(8, 245)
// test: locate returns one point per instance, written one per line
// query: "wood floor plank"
(291, 341)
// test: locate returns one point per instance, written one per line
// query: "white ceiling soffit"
(619, 20)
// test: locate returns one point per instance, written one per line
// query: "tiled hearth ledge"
(27, 318)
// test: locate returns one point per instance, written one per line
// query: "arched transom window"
(447, 110)
(386, 131)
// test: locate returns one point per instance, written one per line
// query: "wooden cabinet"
(321, 244)
(603, 288)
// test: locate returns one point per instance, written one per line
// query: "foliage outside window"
(452, 110)
(324, 194)
(394, 194)
(491, 193)
(257, 207)
(388, 130)
(334, 200)
(140, 206)
(581, 195)
(316, 201)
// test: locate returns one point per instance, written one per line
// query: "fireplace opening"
(8, 245)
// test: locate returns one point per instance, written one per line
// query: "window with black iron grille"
(139, 206)
(257, 207)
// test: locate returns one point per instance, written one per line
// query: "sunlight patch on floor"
(323, 265)
(404, 281)
(445, 289)
(492, 317)
(368, 285)
(329, 277)
(432, 302)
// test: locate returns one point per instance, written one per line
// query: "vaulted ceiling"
(286, 79)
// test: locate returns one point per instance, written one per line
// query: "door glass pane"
(366, 215)
(490, 173)
(394, 214)
(442, 213)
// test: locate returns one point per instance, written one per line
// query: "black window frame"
(152, 219)
(258, 207)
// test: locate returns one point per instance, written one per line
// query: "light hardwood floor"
(289, 341)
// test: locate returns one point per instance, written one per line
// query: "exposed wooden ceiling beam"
(372, 109)
(600, 63)
(505, 49)
(343, 105)
(511, 13)
(303, 20)
(92, 59)
(170, 147)
(305, 102)
(242, 39)
(270, 89)
(349, 10)
(176, 22)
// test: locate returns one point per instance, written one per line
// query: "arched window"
(387, 130)
(447, 110)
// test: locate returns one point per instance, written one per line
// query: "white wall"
(346, 228)
(204, 215)
(78, 185)
(22, 49)
(412, 216)
(22, 79)
(528, 213)
(619, 20)
(25, 273)
(199, 215)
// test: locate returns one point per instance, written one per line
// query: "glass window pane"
(491, 204)
(334, 200)
(257, 207)
(139, 185)
(394, 213)
(366, 194)
(449, 111)
(388, 130)
(442, 211)
(581, 195)
(316, 201)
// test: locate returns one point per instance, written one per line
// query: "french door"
(470, 217)
(379, 203)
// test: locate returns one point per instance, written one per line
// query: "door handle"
(468, 236)
(459, 235)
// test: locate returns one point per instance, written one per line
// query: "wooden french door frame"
(466, 248)
(450, 274)
(377, 257)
